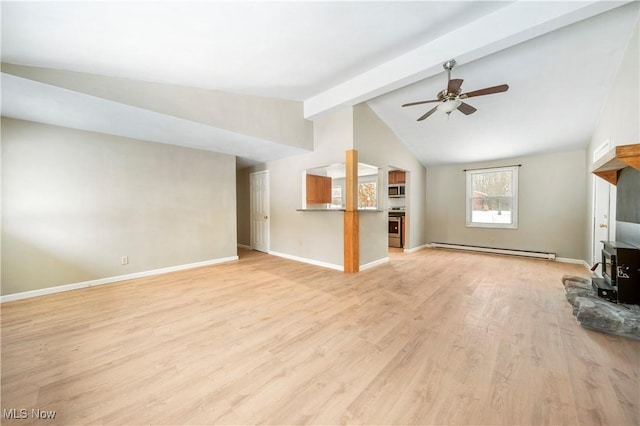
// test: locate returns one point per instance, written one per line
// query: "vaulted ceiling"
(559, 59)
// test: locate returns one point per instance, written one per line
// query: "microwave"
(396, 191)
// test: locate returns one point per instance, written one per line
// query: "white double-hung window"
(492, 197)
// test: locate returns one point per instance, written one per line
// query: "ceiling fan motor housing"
(447, 96)
(449, 64)
(451, 97)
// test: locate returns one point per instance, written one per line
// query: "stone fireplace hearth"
(617, 310)
(598, 314)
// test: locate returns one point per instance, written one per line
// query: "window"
(367, 195)
(336, 197)
(492, 197)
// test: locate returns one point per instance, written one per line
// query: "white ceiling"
(559, 76)
(558, 83)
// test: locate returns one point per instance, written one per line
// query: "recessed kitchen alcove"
(324, 188)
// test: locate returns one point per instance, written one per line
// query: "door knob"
(603, 225)
(266, 217)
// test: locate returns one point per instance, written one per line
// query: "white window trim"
(514, 188)
(341, 205)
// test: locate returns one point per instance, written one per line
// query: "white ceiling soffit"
(505, 27)
(558, 83)
(339, 170)
(29, 100)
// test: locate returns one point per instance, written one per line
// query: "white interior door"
(601, 209)
(259, 205)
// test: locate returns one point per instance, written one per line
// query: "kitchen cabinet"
(318, 189)
(396, 177)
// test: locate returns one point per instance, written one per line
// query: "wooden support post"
(351, 215)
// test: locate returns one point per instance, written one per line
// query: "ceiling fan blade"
(466, 109)
(454, 85)
(428, 114)
(485, 91)
(421, 102)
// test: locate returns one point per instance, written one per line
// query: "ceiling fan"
(451, 98)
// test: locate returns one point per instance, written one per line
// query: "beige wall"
(551, 206)
(619, 119)
(318, 236)
(74, 202)
(619, 123)
(243, 206)
(378, 146)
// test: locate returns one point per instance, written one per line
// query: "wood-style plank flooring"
(433, 337)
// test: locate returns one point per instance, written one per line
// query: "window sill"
(492, 225)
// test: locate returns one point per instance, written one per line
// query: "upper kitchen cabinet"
(396, 177)
(325, 187)
(318, 189)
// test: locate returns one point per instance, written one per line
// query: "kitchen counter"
(340, 210)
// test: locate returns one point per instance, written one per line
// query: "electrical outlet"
(124, 260)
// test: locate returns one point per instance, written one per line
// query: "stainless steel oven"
(395, 232)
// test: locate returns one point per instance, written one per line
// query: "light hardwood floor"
(433, 337)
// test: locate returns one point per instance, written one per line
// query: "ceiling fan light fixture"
(449, 105)
(449, 99)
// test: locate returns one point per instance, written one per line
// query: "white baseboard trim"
(327, 264)
(244, 246)
(415, 249)
(374, 263)
(110, 280)
(309, 261)
(511, 252)
(576, 261)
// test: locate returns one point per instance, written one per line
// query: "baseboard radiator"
(523, 253)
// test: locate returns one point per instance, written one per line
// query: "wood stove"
(620, 282)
